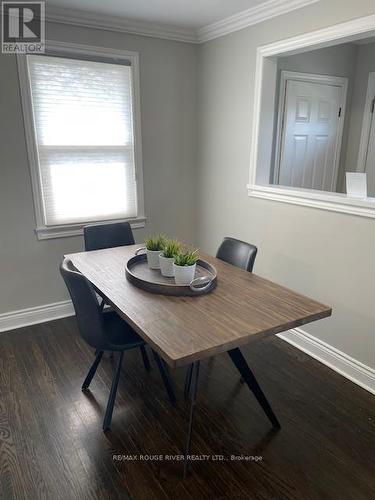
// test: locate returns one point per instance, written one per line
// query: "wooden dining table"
(186, 330)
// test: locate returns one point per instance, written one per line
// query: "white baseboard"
(338, 361)
(34, 315)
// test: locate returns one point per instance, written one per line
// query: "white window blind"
(83, 118)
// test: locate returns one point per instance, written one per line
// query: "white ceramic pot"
(184, 275)
(152, 257)
(166, 266)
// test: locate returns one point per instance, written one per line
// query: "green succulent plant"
(187, 258)
(154, 243)
(171, 248)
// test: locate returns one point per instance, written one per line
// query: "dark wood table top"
(187, 329)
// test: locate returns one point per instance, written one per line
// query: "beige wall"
(28, 267)
(326, 255)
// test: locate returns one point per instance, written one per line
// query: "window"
(83, 160)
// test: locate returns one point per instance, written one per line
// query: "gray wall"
(326, 255)
(28, 267)
(339, 60)
(365, 65)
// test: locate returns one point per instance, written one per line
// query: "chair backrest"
(86, 306)
(238, 253)
(107, 235)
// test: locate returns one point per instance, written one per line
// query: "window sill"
(336, 202)
(65, 231)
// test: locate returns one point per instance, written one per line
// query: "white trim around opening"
(265, 70)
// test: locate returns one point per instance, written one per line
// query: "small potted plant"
(184, 267)
(167, 256)
(154, 245)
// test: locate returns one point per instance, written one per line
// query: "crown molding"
(249, 17)
(119, 24)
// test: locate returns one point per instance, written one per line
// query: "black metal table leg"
(163, 369)
(145, 359)
(188, 376)
(193, 394)
(240, 362)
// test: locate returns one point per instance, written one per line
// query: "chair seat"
(119, 334)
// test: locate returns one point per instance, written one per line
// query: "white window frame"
(265, 75)
(75, 50)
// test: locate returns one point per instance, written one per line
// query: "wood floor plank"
(52, 445)
(19, 415)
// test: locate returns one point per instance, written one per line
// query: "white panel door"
(309, 143)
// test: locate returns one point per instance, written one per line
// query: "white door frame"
(366, 123)
(336, 81)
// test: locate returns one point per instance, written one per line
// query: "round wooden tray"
(151, 280)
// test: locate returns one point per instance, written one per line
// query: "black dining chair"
(104, 331)
(109, 235)
(239, 254)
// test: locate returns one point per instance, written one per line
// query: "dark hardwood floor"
(52, 445)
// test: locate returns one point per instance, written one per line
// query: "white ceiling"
(180, 13)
